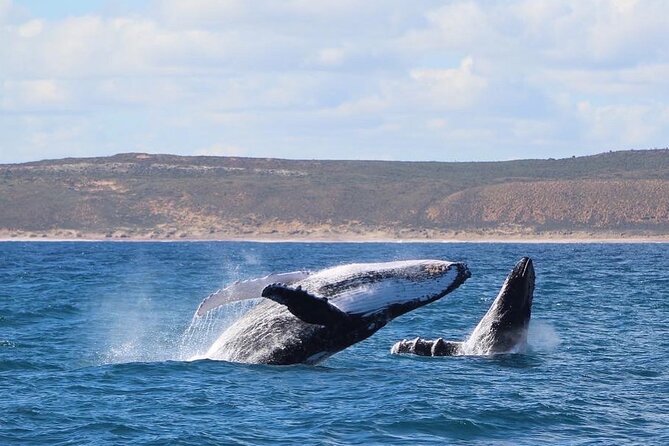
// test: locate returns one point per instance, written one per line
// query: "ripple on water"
(91, 342)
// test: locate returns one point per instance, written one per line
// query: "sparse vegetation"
(173, 197)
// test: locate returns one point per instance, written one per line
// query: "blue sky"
(333, 79)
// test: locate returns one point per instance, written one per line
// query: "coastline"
(356, 237)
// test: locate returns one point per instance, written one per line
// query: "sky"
(333, 79)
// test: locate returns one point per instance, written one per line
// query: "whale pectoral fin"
(305, 306)
(424, 347)
(245, 290)
(446, 348)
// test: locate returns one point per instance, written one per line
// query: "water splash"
(203, 331)
(542, 336)
(488, 343)
(145, 343)
(141, 329)
(196, 336)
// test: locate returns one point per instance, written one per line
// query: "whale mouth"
(519, 285)
(529, 276)
(515, 298)
(524, 268)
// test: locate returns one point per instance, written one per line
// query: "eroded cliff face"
(166, 196)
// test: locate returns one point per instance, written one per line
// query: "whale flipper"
(306, 306)
(247, 289)
(425, 347)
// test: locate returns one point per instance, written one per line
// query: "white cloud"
(639, 83)
(43, 139)
(366, 105)
(33, 94)
(31, 28)
(221, 150)
(138, 92)
(331, 56)
(199, 11)
(463, 79)
(630, 125)
(437, 123)
(5, 9)
(453, 88)
(600, 32)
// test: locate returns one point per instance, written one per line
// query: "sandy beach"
(378, 236)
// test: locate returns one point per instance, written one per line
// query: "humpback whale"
(503, 329)
(306, 317)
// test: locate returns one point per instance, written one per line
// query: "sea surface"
(92, 350)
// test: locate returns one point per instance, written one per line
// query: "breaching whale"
(503, 329)
(310, 316)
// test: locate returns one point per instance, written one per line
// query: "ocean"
(93, 351)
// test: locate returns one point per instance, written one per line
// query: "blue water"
(91, 351)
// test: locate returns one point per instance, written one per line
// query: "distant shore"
(61, 235)
(610, 197)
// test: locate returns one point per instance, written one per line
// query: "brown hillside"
(166, 196)
(559, 205)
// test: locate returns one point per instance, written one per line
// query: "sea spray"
(142, 340)
(136, 327)
(542, 336)
(132, 329)
(203, 331)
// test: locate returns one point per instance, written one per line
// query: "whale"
(306, 317)
(503, 329)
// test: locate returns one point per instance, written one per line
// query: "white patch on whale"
(367, 298)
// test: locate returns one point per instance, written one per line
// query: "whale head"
(504, 327)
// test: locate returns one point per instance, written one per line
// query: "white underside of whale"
(372, 297)
(364, 299)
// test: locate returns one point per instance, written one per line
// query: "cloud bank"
(426, 80)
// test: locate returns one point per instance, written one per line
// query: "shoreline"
(329, 234)
(534, 239)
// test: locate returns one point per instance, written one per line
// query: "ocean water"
(92, 350)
